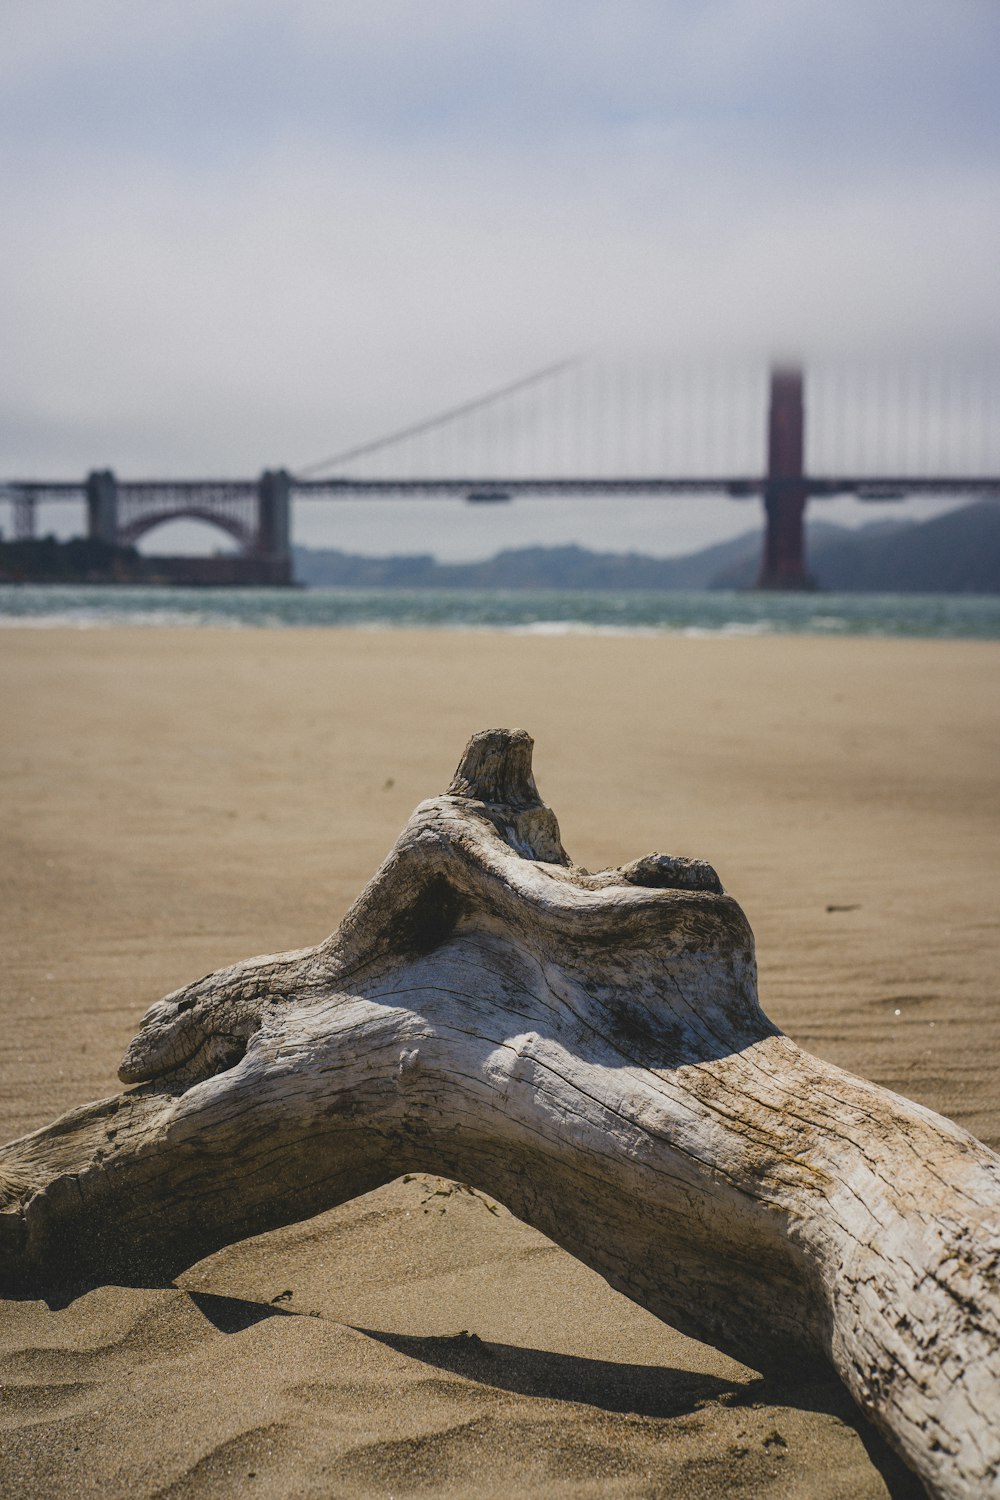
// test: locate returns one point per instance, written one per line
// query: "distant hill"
(568, 567)
(955, 553)
(958, 553)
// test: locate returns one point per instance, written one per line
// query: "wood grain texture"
(587, 1048)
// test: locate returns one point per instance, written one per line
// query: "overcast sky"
(241, 233)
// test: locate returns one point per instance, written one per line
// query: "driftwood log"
(587, 1048)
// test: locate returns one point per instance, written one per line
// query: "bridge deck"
(875, 486)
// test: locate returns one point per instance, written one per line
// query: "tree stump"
(589, 1050)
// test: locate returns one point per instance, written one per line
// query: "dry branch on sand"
(589, 1050)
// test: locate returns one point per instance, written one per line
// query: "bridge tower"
(785, 492)
(273, 541)
(102, 506)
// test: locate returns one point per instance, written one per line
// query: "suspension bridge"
(784, 435)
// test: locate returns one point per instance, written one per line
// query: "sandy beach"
(177, 799)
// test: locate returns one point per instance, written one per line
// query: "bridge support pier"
(24, 517)
(273, 547)
(783, 565)
(102, 506)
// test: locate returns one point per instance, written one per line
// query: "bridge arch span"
(242, 533)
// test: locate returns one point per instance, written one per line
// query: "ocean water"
(947, 616)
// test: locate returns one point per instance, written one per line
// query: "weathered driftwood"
(588, 1049)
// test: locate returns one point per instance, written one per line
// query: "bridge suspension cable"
(429, 423)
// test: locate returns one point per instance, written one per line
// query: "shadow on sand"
(649, 1390)
(654, 1391)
